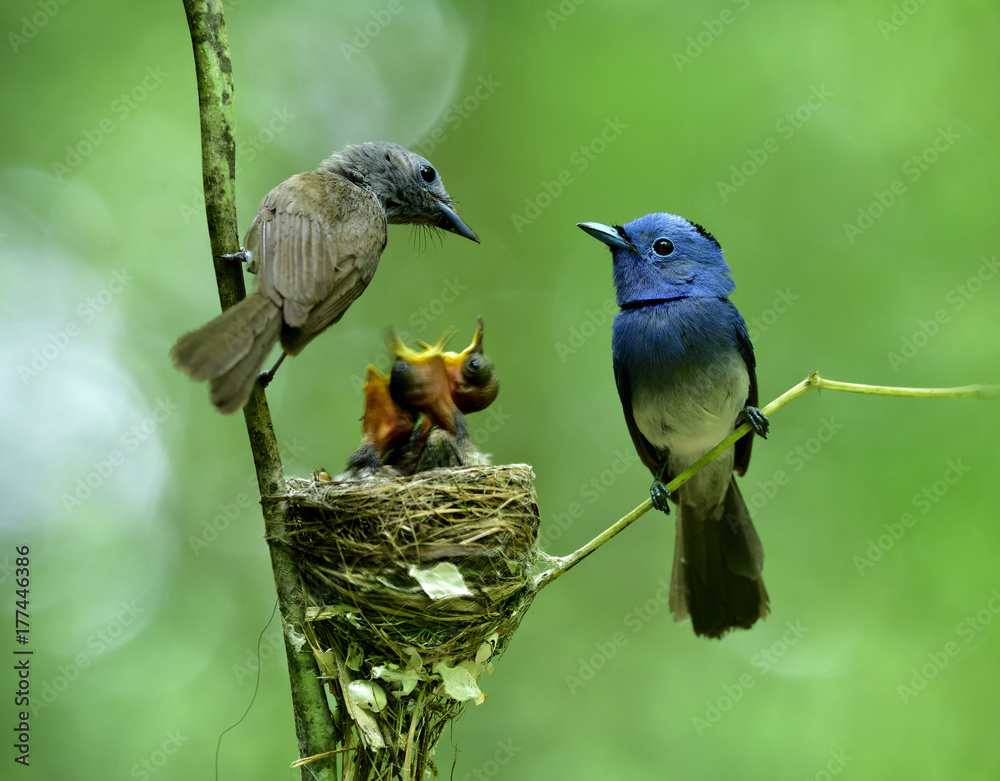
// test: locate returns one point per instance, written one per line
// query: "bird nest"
(412, 586)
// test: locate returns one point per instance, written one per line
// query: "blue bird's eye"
(663, 246)
(427, 173)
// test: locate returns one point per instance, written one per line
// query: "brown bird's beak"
(450, 221)
(477, 339)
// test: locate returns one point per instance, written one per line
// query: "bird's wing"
(745, 349)
(317, 238)
(647, 452)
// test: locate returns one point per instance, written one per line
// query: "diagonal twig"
(562, 564)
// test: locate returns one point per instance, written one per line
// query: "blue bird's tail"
(717, 567)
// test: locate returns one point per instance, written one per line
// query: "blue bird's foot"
(659, 494)
(757, 420)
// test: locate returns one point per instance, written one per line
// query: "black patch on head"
(706, 234)
(621, 232)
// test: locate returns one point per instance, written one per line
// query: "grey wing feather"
(313, 264)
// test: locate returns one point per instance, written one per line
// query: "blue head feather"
(665, 257)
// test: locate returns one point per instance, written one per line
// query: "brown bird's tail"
(230, 350)
(717, 567)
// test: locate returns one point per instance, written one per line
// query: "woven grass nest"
(412, 585)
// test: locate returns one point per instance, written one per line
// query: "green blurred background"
(845, 155)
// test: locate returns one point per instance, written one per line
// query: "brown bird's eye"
(477, 371)
(427, 173)
(663, 247)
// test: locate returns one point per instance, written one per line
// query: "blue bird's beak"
(606, 234)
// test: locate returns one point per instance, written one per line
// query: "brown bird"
(314, 244)
(385, 426)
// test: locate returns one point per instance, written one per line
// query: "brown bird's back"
(317, 239)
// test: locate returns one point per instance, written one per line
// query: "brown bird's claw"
(243, 256)
(265, 377)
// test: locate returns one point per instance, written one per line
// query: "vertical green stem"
(213, 68)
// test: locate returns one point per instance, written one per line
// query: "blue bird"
(685, 372)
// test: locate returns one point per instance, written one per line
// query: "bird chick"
(443, 386)
(384, 425)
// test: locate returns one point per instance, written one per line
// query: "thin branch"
(313, 720)
(562, 564)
